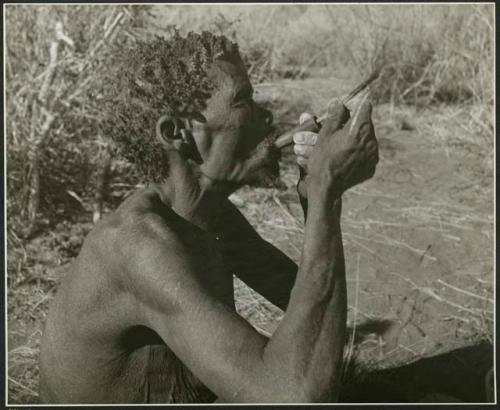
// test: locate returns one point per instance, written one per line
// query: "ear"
(168, 131)
(175, 132)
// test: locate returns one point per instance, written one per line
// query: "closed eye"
(242, 96)
(241, 102)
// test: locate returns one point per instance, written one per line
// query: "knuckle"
(304, 117)
(299, 137)
(313, 137)
(299, 149)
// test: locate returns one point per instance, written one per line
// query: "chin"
(263, 166)
(268, 176)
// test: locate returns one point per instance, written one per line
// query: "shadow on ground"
(456, 376)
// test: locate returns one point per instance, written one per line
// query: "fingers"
(305, 137)
(304, 143)
(303, 150)
(302, 161)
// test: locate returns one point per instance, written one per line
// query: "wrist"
(326, 189)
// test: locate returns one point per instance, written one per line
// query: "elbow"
(313, 394)
(285, 391)
(300, 395)
(311, 387)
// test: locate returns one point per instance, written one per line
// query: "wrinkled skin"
(146, 313)
(235, 129)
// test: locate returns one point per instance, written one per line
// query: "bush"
(52, 138)
(430, 53)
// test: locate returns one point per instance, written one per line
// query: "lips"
(264, 169)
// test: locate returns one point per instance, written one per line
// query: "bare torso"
(148, 279)
(104, 353)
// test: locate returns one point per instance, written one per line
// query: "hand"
(304, 142)
(343, 156)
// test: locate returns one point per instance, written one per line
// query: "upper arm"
(216, 344)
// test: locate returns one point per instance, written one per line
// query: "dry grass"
(426, 53)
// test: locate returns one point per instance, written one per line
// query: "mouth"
(267, 139)
(263, 163)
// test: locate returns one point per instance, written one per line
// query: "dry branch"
(22, 386)
(36, 139)
(465, 292)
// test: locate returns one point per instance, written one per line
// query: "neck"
(190, 193)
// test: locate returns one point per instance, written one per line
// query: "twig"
(356, 294)
(23, 386)
(465, 291)
(355, 242)
(61, 36)
(408, 349)
(416, 84)
(285, 211)
(49, 76)
(45, 297)
(21, 349)
(358, 110)
(393, 242)
(432, 294)
(364, 314)
(108, 33)
(453, 317)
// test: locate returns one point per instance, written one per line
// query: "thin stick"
(285, 211)
(433, 294)
(465, 292)
(428, 291)
(287, 138)
(360, 244)
(23, 386)
(393, 242)
(356, 294)
(373, 76)
(356, 114)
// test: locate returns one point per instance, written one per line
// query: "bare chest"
(212, 267)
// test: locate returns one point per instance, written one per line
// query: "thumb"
(362, 116)
(304, 117)
(338, 115)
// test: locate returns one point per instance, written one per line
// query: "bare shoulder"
(141, 221)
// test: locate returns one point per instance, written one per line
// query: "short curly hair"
(150, 79)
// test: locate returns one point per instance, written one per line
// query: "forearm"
(301, 191)
(309, 342)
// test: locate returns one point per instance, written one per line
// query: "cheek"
(203, 141)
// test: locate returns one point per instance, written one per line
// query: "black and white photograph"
(249, 203)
